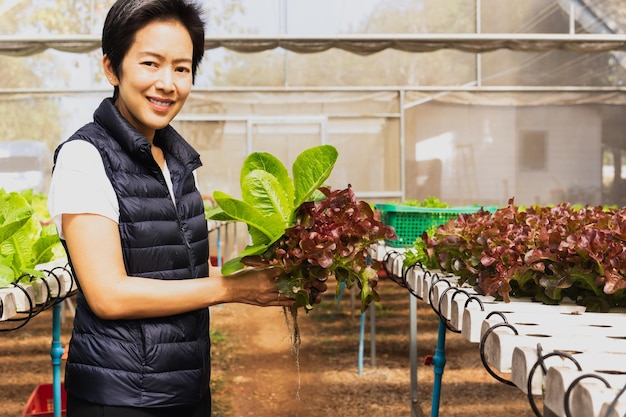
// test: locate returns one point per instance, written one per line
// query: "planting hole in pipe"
(569, 352)
(610, 372)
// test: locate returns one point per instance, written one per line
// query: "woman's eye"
(148, 63)
(183, 69)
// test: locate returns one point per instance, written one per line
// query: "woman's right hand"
(257, 286)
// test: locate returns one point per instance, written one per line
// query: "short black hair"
(127, 17)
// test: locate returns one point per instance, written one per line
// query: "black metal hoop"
(22, 321)
(445, 321)
(571, 387)
(483, 339)
(58, 297)
(458, 290)
(430, 291)
(614, 402)
(474, 298)
(385, 260)
(35, 310)
(72, 287)
(397, 278)
(405, 280)
(48, 302)
(497, 313)
(539, 362)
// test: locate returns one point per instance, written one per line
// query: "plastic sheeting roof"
(358, 44)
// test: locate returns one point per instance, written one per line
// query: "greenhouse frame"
(482, 118)
(508, 139)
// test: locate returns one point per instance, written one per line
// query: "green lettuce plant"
(307, 230)
(270, 196)
(310, 231)
(24, 240)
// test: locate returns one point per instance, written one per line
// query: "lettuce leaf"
(311, 169)
(268, 224)
(24, 242)
(265, 162)
(266, 193)
(270, 197)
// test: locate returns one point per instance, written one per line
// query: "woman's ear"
(108, 71)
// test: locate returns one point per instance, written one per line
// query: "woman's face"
(156, 76)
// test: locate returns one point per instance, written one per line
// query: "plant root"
(291, 319)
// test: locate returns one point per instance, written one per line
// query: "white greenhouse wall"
(574, 162)
(477, 148)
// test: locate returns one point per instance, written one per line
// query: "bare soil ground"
(255, 372)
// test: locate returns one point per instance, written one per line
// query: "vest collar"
(135, 143)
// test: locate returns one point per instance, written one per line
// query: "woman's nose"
(165, 80)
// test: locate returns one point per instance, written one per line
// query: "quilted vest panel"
(157, 362)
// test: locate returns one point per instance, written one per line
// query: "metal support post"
(413, 355)
(373, 334)
(56, 352)
(439, 362)
(361, 343)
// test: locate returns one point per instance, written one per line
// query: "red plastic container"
(41, 402)
(214, 260)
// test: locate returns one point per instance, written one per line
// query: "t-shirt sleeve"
(79, 184)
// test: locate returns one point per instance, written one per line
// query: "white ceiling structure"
(359, 44)
(595, 41)
(600, 19)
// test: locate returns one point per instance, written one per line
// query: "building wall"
(470, 154)
(472, 146)
(574, 156)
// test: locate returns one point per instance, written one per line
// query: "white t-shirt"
(80, 184)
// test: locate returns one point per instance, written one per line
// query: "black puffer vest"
(158, 362)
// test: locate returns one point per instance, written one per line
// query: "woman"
(127, 209)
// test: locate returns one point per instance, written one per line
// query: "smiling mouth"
(160, 103)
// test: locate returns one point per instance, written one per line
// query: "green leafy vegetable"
(329, 238)
(547, 253)
(428, 202)
(26, 239)
(270, 197)
(309, 239)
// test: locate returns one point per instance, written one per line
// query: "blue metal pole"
(340, 296)
(219, 246)
(56, 352)
(439, 362)
(373, 334)
(361, 344)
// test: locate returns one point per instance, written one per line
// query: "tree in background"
(443, 67)
(43, 116)
(388, 67)
(40, 116)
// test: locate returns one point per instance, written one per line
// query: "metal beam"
(364, 44)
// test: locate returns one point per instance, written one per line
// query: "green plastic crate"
(410, 222)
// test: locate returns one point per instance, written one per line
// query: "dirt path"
(265, 374)
(255, 372)
(264, 377)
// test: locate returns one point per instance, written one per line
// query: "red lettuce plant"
(297, 224)
(309, 231)
(543, 252)
(330, 237)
